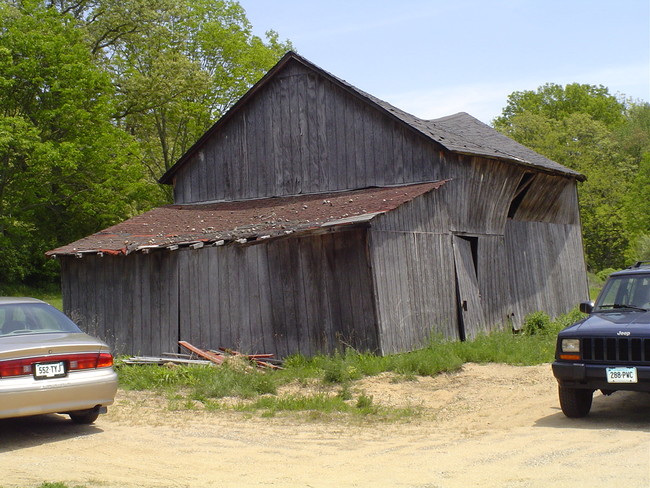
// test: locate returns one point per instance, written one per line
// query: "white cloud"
(483, 101)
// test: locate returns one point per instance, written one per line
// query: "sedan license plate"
(621, 375)
(49, 370)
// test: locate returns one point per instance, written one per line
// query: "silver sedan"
(48, 365)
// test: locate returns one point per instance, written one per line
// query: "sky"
(434, 58)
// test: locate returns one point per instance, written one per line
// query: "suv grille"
(618, 349)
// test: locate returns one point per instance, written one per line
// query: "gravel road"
(486, 425)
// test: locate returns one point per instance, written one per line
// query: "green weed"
(253, 390)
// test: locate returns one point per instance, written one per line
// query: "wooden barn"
(313, 216)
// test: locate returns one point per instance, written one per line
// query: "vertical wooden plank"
(320, 157)
(213, 323)
(156, 303)
(255, 334)
(314, 314)
(278, 307)
(300, 272)
(265, 300)
(185, 331)
(241, 286)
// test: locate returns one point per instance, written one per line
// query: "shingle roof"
(464, 134)
(460, 133)
(246, 221)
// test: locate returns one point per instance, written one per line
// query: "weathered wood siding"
(302, 134)
(413, 275)
(412, 265)
(130, 302)
(300, 295)
(546, 268)
(480, 193)
(453, 263)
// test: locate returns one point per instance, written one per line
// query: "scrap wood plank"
(215, 358)
(249, 356)
(256, 358)
(163, 360)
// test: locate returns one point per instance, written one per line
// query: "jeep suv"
(610, 349)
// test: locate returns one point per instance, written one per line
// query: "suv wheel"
(575, 402)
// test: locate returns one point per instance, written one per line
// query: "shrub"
(602, 275)
(537, 323)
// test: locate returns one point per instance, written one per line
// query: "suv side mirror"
(587, 307)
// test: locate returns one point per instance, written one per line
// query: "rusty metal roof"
(243, 222)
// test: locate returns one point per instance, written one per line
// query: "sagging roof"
(459, 133)
(244, 222)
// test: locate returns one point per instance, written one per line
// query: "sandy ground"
(487, 425)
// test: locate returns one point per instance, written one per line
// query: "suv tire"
(575, 402)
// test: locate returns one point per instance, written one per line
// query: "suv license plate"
(621, 375)
(49, 370)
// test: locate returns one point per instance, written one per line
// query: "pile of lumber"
(205, 356)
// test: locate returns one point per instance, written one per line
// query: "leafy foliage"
(97, 99)
(585, 128)
(177, 65)
(67, 170)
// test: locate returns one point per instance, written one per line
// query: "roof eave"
(521, 162)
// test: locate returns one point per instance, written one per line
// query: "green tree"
(178, 65)
(97, 99)
(635, 139)
(579, 126)
(556, 102)
(66, 169)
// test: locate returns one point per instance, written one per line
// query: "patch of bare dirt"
(486, 425)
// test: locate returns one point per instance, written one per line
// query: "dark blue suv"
(610, 349)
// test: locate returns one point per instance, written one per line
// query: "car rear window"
(33, 318)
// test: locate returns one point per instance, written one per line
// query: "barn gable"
(314, 216)
(302, 130)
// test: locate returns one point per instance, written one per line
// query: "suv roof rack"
(639, 264)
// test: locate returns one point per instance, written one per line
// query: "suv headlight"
(571, 345)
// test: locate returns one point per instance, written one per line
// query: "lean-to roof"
(171, 226)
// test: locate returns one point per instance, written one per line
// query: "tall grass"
(254, 389)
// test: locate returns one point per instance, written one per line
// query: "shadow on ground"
(24, 432)
(622, 410)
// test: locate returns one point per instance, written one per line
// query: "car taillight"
(16, 367)
(105, 360)
(74, 362)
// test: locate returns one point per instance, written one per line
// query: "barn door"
(470, 310)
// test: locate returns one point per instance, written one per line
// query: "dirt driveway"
(487, 425)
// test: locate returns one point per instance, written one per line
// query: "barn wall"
(301, 133)
(479, 194)
(546, 268)
(412, 262)
(420, 284)
(415, 297)
(301, 295)
(123, 300)
(453, 263)
(548, 198)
